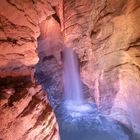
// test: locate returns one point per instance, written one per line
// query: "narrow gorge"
(37, 39)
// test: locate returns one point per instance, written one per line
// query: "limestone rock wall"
(20, 23)
(106, 35)
(25, 112)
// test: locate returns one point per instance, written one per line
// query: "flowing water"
(73, 95)
(72, 83)
(78, 119)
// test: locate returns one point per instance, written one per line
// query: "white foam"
(81, 108)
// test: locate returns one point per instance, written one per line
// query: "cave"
(69, 70)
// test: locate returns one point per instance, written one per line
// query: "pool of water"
(86, 123)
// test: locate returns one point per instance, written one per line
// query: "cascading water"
(73, 95)
(78, 119)
(72, 83)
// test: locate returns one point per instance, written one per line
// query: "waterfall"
(73, 95)
(72, 83)
(79, 119)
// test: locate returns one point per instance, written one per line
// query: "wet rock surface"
(86, 123)
(106, 36)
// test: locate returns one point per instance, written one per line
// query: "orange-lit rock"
(24, 109)
(23, 113)
(51, 39)
(106, 36)
(19, 31)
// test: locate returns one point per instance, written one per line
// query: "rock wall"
(106, 35)
(25, 112)
(49, 68)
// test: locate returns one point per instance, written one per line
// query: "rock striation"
(106, 36)
(25, 112)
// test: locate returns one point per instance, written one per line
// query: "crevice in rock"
(72, 25)
(14, 88)
(94, 33)
(119, 65)
(51, 135)
(46, 111)
(13, 40)
(21, 81)
(10, 40)
(42, 118)
(13, 4)
(18, 95)
(76, 15)
(33, 1)
(103, 9)
(55, 16)
(137, 66)
(29, 109)
(135, 43)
